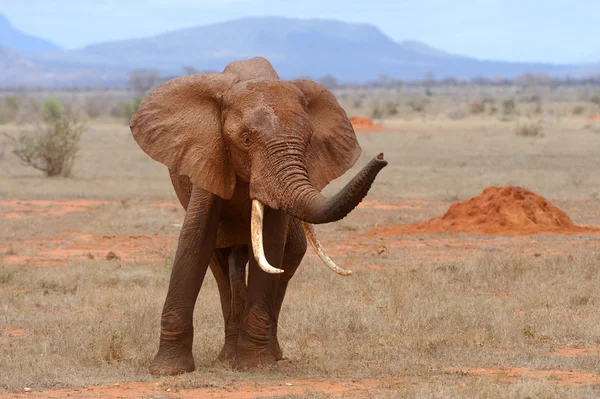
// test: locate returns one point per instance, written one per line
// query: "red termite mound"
(497, 211)
(361, 124)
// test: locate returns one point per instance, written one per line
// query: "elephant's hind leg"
(229, 268)
(197, 241)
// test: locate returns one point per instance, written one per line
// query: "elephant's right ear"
(179, 125)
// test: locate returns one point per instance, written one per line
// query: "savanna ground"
(85, 262)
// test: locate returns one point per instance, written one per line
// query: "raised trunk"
(311, 206)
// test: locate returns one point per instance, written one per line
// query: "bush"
(509, 107)
(417, 105)
(129, 109)
(578, 110)
(530, 129)
(53, 146)
(477, 108)
(376, 113)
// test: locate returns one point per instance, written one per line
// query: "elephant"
(248, 155)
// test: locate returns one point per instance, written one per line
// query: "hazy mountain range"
(296, 47)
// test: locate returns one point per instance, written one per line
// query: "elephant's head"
(286, 139)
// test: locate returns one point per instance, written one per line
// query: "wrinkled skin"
(229, 139)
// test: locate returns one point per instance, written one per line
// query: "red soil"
(361, 124)
(595, 117)
(509, 210)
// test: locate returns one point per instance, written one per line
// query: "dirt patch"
(17, 209)
(330, 388)
(59, 250)
(561, 377)
(577, 351)
(513, 211)
(12, 332)
(365, 125)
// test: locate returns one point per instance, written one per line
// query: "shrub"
(417, 105)
(595, 100)
(578, 110)
(129, 109)
(509, 107)
(392, 108)
(477, 108)
(53, 146)
(9, 109)
(530, 129)
(377, 113)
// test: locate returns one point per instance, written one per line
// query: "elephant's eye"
(246, 138)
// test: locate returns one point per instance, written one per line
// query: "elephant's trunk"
(309, 205)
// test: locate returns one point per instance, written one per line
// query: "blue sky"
(517, 30)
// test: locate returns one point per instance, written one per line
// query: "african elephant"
(248, 155)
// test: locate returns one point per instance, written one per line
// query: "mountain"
(296, 47)
(13, 38)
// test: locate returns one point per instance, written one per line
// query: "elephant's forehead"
(272, 103)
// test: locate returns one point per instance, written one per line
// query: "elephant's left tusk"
(256, 225)
(314, 241)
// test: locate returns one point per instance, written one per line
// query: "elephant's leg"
(256, 327)
(229, 268)
(196, 245)
(295, 248)
(238, 258)
(220, 270)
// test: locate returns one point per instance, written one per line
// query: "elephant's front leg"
(196, 244)
(295, 248)
(254, 341)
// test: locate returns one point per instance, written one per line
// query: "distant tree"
(329, 81)
(190, 70)
(142, 80)
(532, 79)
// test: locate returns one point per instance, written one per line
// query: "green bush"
(509, 106)
(53, 145)
(578, 110)
(529, 129)
(129, 109)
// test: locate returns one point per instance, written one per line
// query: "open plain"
(85, 262)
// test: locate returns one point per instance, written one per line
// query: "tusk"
(258, 211)
(314, 241)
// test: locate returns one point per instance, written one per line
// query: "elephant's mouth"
(258, 249)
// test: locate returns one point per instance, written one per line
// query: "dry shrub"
(530, 129)
(53, 146)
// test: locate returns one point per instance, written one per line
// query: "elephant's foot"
(275, 348)
(172, 363)
(227, 353)
(244, 361)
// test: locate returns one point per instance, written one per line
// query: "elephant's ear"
(179, 125)
(333, 148)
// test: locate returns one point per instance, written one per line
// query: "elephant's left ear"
(333, 148)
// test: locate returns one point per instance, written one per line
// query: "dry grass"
(431, 305)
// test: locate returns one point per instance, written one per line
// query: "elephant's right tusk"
(258, 210)
(314, 241)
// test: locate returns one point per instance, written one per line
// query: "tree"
(53, 147)
(142, 80)
(329, 81)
